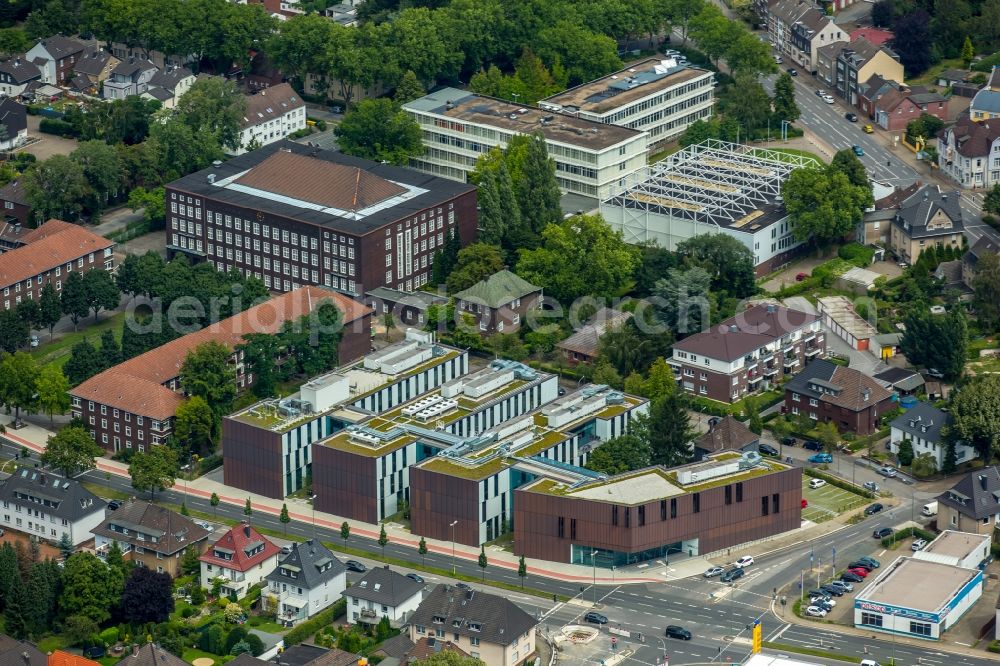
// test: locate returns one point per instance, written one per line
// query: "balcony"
(791, 361)
(766, 354)
(770, 372)
(812, 351)
(810, 337)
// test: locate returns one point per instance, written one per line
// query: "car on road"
(849, 576)
(767, 450)
(744, 561)
(674, 631)
(815, 611)
(887, 471)
(415, 578)
(860, 572)
(712, 572)
(832, 591)
(595, 618)
(820, 458)
(867, 129)
(114, 505)
(882, 532)
(792, 71)
(354, 565)
(819, 93)
(918, 545)
(860, 564)
(812, 445)
(464, 586)
(778, 59)
(828, 99)
(872, 509)
(871, 485)
(851, 117)
(870, 562)
(816, 483)
(858, 150)
(733, 574)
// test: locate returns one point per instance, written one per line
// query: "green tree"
(522, 570)
(409, 88)
(975, 413)
(785, 107)
(475, 262)
(986, 291)
(260, 351)
(991, 201)
(13, 331)
(181, 150)
(749, 55)
(154, 470)
(383, 539)
(905, 454)
(624, 453)
(421, 549)
(52, 388)
(101, 291)
(936, 341)
(111, 351)
(18, 381)
(90, 588)
(823, 205)
(748, 104)
(214, 106)
(483, 562)
(102, 169)
(207, 373)
(49, 308)
(535, 185)
(667, 430)
(66, 546)
(683, 304)
(84, 362)
(74, 299)
(499, 215)
(847, 163)
(248, 508)
(924, 465)
(912, 40)
(377, 129)
(345, 532)
(284, 518)
(752, 409)
(214, 501)
(828, 435)
(28, 312)
(586, 55)
(728, 261)
(194, 427)
(18, 611)
(153, 205)
(55, 188)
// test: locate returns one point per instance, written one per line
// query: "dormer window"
(438, 619)
(475, 626)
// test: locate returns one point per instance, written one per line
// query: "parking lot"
(827, 501)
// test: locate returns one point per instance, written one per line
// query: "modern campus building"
(296, 215)
(748, 352)
(707, 188)
(726, 499)
(458, 126)
(658, 96)
(132, 405)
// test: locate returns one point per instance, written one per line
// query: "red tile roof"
(53, 244)
(60, 658)
(137, 385)
(241, 540)
(873, 35)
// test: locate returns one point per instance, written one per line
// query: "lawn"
(667, 152)
(102, 490)
(826, 502)
(930, 76)
(57, 351)
(792, 151)
(191, 654)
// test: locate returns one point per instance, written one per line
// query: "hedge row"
(837, 482)
(907, 532)
(57, 127)
(308, 629)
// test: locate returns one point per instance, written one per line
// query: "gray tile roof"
(490, 618)
(170, 79)
(727, 434)
(918, 209)
(311, 562)
(900, 378)
(305, 654)
(20, 70)
(173, 531)
(58, 46)
(151, 654)
(985, 245)
(843, 387)
(922, 421)
(92, 62)
(976, 495)
(419, 300)
(60, 497)
(12, 653)
(397, 646)
(986, 101)
(384, 586)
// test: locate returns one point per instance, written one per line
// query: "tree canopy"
(823, 204)
(71, 450)
(377, 129)
(936, 341)
(975, 413)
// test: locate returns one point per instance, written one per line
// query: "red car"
(801, 276)
(805, 503)
(858, 571)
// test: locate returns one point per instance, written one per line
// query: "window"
(764, 506)
(729, 494)
(871, 619)
(696, 502)
(920, 628)
(775, 503)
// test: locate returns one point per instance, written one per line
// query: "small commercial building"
(918, 598)
(958, 549)
(841, 317)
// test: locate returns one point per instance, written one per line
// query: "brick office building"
(132, 405)
(295, 215)
(48, 255)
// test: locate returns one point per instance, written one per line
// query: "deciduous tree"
(18, 381)
(148, 596)
(91, 588)
(71, 450)
(975, 412)
(475, 262)
(74, 299)
(52, 387)
(49, 308)
(377, 129)
(912, 40)
(84, 362)
(194, 427)
(936, 341)
(784, 104)
(55, 188)
(154, 470)
(207, 373)
(822, 204)
(624, 453)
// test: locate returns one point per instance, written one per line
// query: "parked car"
(819, 93)
(812, 445)
(767, 450)
(851, 577)
(816, 483)
(788, 441)
(887, 471)
(34, 341)
(114, 505)
(844, 585)
(918, 545)
(820, 458)
(822, 600)
(733, 574)
(870, 561)
(354, 565)
(415, 578)
(867, 129)
(872, 509)
(815, 611)
(792, 71)
(832, 591)
(777, 59)
(712, 572)
(860, 572)
(858, 150)
(744, 561)
(674, 631)
(596, 618)
(464, 586)
(860, 564)
(882, 532)
(872, 486)
(799, 277)
(286, 549)
(851, 117)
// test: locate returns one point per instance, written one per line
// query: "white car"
(825, 600)
(918, 545)
(815, 611)
(828, 99)
(816, 483)
(744, 561)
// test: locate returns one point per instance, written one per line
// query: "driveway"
(154, 240)
(859, 360)
(48, 144)
(786, 276)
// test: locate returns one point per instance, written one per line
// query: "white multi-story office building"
(592, 158)
(658, 96)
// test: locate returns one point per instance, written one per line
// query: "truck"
(930, 509)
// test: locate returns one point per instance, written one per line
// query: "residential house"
(929, 217)
(20, 653)
(16, 210)
(747, 352)
(11, 233)
(845, 67)
(725, 434)
(13, 124)
(922, 425)
(60, 658)
(874, 35)
(15, 75)
(581, 347)
(150, 535)
(48, 506)
(305, 654)
(342, 13)
(95, 66)
(169, 85)
(874, 227)
(56, 247)
(397, 647)
(409, 308)
(240, 559)
(986, 103)
(799, 30)
(952, 77)
(488, 627)
(970, 260)
(969, 152)
(151, 654)
(56, 57)
(848, 398)
(129, 77)
(892, 105)
(950, 275)
(382, 592)
(307, 580)
(499, 302)
(972, 504)
(271, 115)
(430, 645)
(900, 380)
(280, 9)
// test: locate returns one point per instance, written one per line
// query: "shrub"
(907, 532)
(856, 253)
(57, 127)
(187, 612)
(839, 483)
(309, 628)
(211, 639)
(994, 646)
(109, 636)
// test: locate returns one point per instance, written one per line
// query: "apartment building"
(46, 506)
(656, 95)
(969, 152)
(847, 67)
(49, 255)
(798, 30)
(148, 534)
(458, 126)
(240, 559)
(746, 353)
(271, 115)
(56, 57)
(829, 393)
(132, 405)
(293, 215)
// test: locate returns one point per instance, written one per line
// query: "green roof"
(497, 290)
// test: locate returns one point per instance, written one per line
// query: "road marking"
(881, 554)
(957, 643)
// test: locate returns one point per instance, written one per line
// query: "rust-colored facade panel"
(436, 500)
(250, 455)
(344, 483)
(546, 526)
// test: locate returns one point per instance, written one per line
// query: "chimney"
(211, 178)
(135, 649)
(246, 529)
(27, 658)
(733, 328)
(982, 481)
(771, 308)
(865, 394)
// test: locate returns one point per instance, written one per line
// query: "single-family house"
(150, 535)
(986, 103)
(848, 398)
(409, 308)
(15, 652)
(500, 302)
(95, 66)
(892, 105)
(922, 425)
(307, 580)
(874, 226)
(930, 217)
(15, 75)
(725, 434)
(969, 152)
(45, 505)
(150, 654)
(972, 504)
(13, 124)
(382, 592)
(168, 85)
(56, 57)
(240, 559)
(61, 658)
(271, 115)
(970, 260)
(129, 77)
(581, 347)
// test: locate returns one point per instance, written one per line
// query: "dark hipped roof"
(922, 421)
(973, 139)
(729, 433)
(152, 654)
(20, 70)
(977, 494)
(397, 646)
(12, 653)
(306, 654)
(418, 300)
(488, 617)
(174, 532)
(59, 497)
(382, 585)
(754, 328)
(13, 116)
(848, 385)
(920, 207)
(981, 248)
(311, 562)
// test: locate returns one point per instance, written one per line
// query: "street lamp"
(313, 499)
(453, 546)
(593, 561)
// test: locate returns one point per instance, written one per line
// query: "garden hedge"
(837, 482)
(907, 532)
(308, 629)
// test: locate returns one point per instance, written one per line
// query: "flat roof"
(842, 311)
(955, 544)
(522, 119)
(638, 80)
(917, 584)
